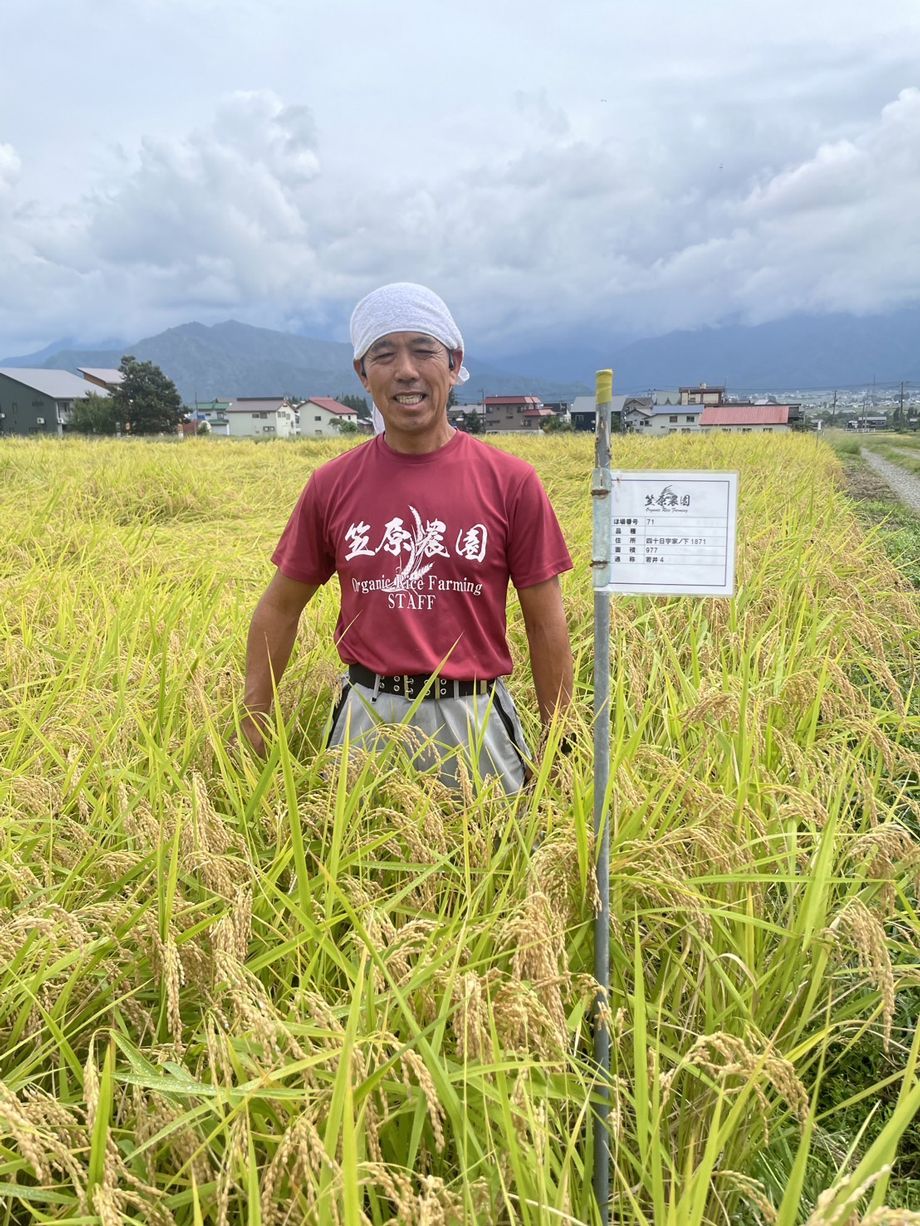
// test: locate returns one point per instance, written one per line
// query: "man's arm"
(268, 648)
(550, 650)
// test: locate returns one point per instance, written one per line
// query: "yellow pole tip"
(603, 387)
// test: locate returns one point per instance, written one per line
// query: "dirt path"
(903, 483)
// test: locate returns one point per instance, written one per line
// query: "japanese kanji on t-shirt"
(424, 547)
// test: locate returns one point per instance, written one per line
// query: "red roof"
(332, 406)
(534, 400)
(745, 415)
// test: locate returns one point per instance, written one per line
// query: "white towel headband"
(404, 307)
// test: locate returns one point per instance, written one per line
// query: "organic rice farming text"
(307, 990)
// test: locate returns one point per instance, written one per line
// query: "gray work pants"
(484, 728)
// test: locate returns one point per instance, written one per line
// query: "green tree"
(472, 423)
(146, 401)
(345, 427)
(94, 415)
(358, 403)
(558, 425)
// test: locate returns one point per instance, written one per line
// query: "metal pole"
(601, 486)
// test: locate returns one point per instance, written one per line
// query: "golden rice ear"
(855, 928)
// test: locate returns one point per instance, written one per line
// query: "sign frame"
(716, 532)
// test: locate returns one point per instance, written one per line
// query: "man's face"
(409, 376)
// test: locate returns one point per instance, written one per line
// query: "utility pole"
(901, 406)
(834, 409)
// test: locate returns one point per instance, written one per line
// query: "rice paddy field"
(303, 990)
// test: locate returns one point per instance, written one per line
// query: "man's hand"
(271, 638)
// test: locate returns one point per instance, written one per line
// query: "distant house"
(536, 419)
(702, 394)
(39, 401)
(322, 417)
(865, 424)
(213, 413)
(667, 395)
(261, 417)
(583, 410)
(507, 413)
(457, 413)
(643, 416)
(101, 376)
(750, 418)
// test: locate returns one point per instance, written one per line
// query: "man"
(424, 526)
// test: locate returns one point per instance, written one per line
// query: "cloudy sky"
(593, 168)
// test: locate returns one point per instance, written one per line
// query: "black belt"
(410, 685)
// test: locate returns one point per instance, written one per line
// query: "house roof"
(532, 400)
(661, 410)
(100, 372)
(670, 395)
(331, 406)
(539, 413)
(704, 387)
(619, 404)
(58, 384)
(745, 415)
(255, 404)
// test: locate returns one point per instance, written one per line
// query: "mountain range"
(809, 351)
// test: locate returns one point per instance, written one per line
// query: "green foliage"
(471, 423)
(94, 415)
(147, 401)
(558, 425)
(358, 403)
(345, 427)
(843, 444)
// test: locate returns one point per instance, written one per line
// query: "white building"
(641, 416)
(323, 417)
(261, 417)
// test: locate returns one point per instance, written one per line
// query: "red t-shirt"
(424, 546)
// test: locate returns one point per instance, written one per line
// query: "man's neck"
(409, 444)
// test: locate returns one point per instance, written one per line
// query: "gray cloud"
(713, 208)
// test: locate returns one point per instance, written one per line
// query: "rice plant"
(322, 988)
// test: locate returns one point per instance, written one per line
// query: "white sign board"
(673, 533)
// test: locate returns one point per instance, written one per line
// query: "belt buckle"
(408, 685)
